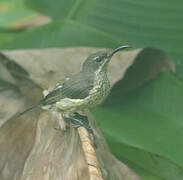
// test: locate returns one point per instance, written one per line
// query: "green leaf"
(13, 13)
(140, 23)
(146, 126)
(57, 34)
(56, 8)
(142, 173)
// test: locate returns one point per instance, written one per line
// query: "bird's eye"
(98, 59)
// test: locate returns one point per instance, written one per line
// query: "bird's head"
(100, 60)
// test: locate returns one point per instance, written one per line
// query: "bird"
(84, 90)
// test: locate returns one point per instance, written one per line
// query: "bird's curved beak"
(113, 51)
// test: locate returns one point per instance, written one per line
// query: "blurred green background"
(143, 126)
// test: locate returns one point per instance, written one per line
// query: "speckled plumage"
(81, 91)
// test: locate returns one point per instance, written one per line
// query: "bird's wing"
(77, 87)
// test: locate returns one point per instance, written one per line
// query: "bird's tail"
(27, 110)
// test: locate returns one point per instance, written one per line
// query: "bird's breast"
(100, 90)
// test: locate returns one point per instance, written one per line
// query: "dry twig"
(90, 155)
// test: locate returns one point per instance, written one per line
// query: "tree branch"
(90, 155)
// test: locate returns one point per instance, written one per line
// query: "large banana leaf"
(106, 24)
(146, 127)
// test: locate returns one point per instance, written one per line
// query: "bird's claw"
(79, 120)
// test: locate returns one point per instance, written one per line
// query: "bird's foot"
(78, 120)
